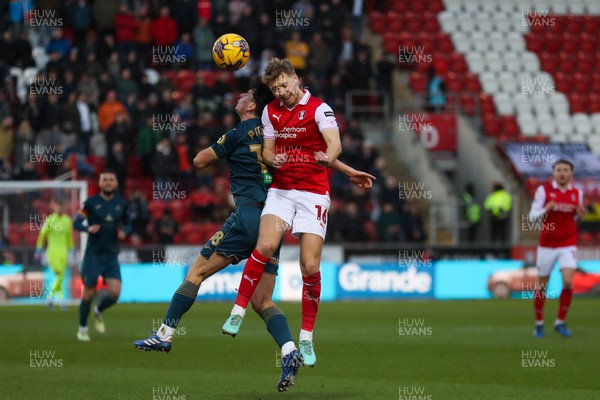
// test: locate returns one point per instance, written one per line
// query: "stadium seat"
(157, 208)
(15, 235)
(29, 236)
(467, 103)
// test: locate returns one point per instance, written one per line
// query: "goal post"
(24, 207)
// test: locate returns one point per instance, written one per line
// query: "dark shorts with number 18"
(237, 237)
(96, 264)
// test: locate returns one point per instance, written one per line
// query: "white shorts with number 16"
(304, 211)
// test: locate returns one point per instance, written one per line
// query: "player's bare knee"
(266, 247)
(309, 267)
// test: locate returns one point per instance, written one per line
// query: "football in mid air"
(231, 52)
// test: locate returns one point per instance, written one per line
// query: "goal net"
(24, 207)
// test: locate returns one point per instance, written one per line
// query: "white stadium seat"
(453, 5)
(559, 138)
(576, 8)
(471, 7)
(559, 103)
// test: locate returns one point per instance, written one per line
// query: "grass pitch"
(366, 351)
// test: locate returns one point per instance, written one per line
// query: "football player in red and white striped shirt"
(301, 140)
(558, 204)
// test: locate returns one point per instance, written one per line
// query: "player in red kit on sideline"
(301, 140)
(558, 204)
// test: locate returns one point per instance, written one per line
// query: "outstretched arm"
(205, 158)
(359, 178)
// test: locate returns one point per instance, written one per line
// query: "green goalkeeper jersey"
(59, 231)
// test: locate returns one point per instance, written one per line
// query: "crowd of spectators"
(105, 86)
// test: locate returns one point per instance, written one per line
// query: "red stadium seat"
(472, 83)
(398, 6)
(510, 127)
(467, 103)
(570, 43)
(15, 236)
(417, 7)
(567, 63)
(180, 210)
(486, 104)
(594, 102)
(534, 42)
(377, 22)
(491, 126)
(418, 82)
(445, 43)
(29, 232)
(552, 42)
(430, 22)
(156, 208)
(591, 24)
(580, 83)
(586, 238)
(458, 63)
(454, 83)
(436, 6)
(577, 103)
(548, 62)
(573, 25)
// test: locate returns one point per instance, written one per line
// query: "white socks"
(237, 310)
(165, 331)
(287, 348)
(305, 335)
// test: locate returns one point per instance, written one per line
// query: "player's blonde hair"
(276, 67)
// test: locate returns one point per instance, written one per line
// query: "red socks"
(311, 296)
(539, 299)
(255, 266)
(564, 302)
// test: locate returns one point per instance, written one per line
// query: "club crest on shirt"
(301, 115)
(572, 196)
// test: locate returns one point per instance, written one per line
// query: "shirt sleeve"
(82, 215)
(537, 206)
(227, 143)
(268, 130)
(69, 233)
(325, 118)
(42, 236)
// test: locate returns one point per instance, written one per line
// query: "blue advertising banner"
(156, 282)
(467, 279)
(150, 282)
(472, 279)
(381, 281)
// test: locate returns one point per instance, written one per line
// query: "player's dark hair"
(262, 95)
(108, 171)
(563, 161)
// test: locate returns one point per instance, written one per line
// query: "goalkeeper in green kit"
(58, 231)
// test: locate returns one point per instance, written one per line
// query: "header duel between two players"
(305, 127)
